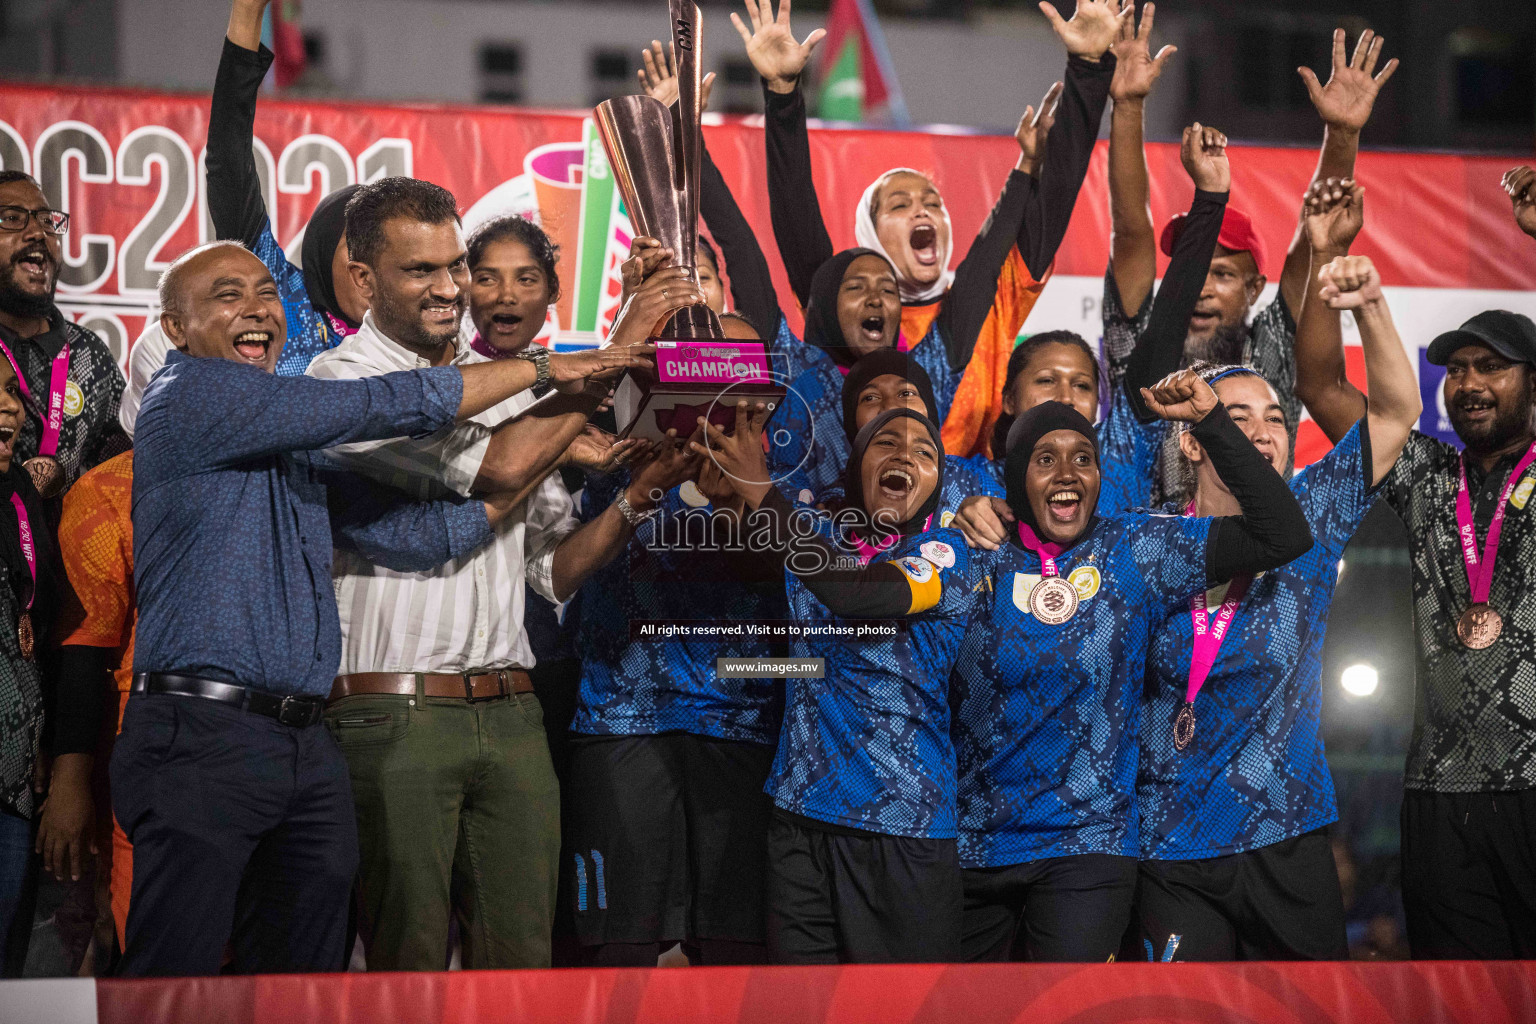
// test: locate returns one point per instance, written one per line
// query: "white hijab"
(867, 237)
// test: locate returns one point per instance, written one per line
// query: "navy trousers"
(244, 838)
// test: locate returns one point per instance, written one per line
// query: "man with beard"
(70, 380)
(1469, 810)
(459, 814)
(1224, 327)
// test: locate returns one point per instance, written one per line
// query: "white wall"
(980, 74)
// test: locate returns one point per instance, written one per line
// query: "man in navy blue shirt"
(235, 798)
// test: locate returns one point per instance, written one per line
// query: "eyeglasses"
(14, 218)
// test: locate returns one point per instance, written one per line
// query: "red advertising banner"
(1239, 993)
(127, 166)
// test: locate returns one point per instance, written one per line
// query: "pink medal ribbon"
(24, 636)
(868, 550)
(484, 347)
(338, 326)
(1479, 626)
(58, 381)
(1053, 600)
(1208, 638)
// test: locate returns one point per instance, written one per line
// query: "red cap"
(1237, 234)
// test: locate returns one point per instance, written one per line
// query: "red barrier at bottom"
(1363, 993)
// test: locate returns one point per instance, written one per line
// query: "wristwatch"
(631, 515)
(538, 355)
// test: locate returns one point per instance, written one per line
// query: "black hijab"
(821, 326)
(321, 236)
(853, 475)
(1027, 430)
(886, 361)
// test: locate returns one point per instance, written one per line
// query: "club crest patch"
(1523, 492)
(1024, 585)
(919, 570)
(74, 400)
(1085, 580)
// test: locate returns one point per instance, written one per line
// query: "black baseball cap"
(1511, 335)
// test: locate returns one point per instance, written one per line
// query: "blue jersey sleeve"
(1169, 552)
(1335, 492)
(1127, 456)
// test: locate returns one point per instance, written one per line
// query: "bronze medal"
(47, 475)
(1053, 601)
(1479, 627)
(1184, 727)
(24, 638)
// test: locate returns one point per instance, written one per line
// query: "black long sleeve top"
(751, 281)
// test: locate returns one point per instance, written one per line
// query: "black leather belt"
(295, 711)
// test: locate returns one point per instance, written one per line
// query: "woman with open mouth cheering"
(1049, 679)
(862, 859)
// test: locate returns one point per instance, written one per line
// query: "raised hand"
(1181, 397)
(1333, 212)
(666, 290)
(1520, 183)
(1136, 70)
(646, 256)
(1346, 101)
(739, 454)
(662, 467)
(1093, 28)
(658, 78)
(568, 371)
(1350, 282)
(1034, 126)
(1203, 151)
(984, 522)
(771, 46)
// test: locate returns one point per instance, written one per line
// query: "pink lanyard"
(24, 531)
(483, 347)
(338, 326)
(1047, 552)
(869, 550)
(1208, 634)
(58, 382)
(1480, 573)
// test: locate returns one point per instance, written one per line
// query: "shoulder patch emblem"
(939, 553)
(1523, 492)
(920, 570)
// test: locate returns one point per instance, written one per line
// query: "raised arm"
(389, 529)
(1351, 282)
(1133, 240)
(1334, 214)
(798, 227)
(1345, 105)
(1272, 529)
(1160, 348)
(234, 188)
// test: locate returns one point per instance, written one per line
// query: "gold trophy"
(656, 156)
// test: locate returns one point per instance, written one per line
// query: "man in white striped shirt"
(433, 707)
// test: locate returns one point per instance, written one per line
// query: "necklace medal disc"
(47, 475)
(24, 638)
(1053, 601)
(1479, 627)
(1184, 727)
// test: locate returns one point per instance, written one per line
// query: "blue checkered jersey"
(643, 687)
(1254, 773)
(868, 746)
(789, 357)
(1045, 735)
(308, 332)
(807, 448)
(1127, 452)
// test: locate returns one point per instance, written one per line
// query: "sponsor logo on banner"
(939, 553)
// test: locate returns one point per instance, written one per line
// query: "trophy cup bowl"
(656, 158)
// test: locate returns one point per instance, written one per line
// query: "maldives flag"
(281, 32)
(858, 79)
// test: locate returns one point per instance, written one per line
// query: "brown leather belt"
(433, 684)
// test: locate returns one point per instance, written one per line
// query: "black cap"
(1511, 335)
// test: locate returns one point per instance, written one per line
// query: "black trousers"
(842, 896)
(243, 834)
(1279, 902)
(1061, 909)
(1469, 875)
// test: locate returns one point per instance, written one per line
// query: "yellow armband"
(923, 577)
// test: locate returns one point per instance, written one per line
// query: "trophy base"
(694, 378)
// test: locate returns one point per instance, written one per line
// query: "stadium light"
(1360, 680)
